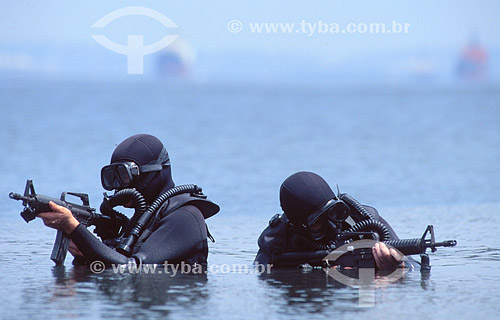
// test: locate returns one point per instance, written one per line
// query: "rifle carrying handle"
(60, 248)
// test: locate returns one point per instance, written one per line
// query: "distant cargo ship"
(473, 62)
(176, 60)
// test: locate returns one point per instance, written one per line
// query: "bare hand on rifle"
(386, 258)
(59, 218)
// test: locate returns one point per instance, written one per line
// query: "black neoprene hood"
(144, 149)
(303, 193)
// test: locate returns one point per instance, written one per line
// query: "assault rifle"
(36, 203)
(350, 252)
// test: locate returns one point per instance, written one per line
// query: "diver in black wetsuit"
(177, 233)
(307, 201)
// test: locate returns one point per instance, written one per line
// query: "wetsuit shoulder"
(273, 240)
(179, 236)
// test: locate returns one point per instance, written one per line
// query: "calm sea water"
(420, 155)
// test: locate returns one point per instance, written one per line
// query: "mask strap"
(158, 164)
(150, 168)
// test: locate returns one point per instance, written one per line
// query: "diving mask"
(326, 217)
(120, 175)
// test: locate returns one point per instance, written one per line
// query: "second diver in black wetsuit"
(177, 233)
(307, 202)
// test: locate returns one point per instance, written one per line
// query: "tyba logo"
(135, 50)
(366, 281)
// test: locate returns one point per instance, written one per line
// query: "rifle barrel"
(17, 196)
(446, 243)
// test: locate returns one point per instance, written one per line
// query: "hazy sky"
(204, 24)
(56, 37)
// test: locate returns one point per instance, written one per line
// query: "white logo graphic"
(135, 50)
(366, 281)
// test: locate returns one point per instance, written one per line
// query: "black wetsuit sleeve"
(93, 249)
(180, 235)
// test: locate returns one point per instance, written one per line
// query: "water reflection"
(313, 291)
(309, 291)
(425, 275)
(132, 295)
